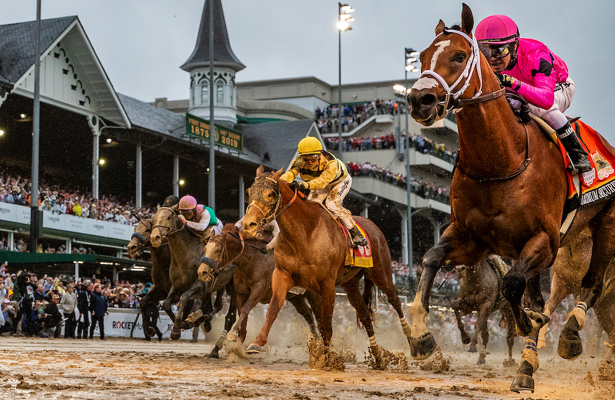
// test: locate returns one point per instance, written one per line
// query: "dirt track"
(134, 369)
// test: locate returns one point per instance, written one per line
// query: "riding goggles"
(500, 50)
(310, 157)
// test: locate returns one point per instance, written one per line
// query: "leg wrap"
(372, 341)
(579, 312)
(529, 352)
(405, 326)
(221, 340)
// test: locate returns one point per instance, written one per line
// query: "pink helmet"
(187, 203)
(497, 29)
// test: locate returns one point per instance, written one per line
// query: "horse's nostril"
(428, 100)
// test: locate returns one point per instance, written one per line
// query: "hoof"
(175, 335)
(253, 349)
(151, 332)
(472, 349)
(214, 353)
(232, 337)
(522, 383)
(480, 361)
(570, 349)
(466, 340)
(508, 363)
(422, 347)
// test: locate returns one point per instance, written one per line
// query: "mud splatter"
(606, 372)
(387, 360)
(323, 358)
(438, 363)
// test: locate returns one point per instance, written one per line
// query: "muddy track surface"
(134, 369)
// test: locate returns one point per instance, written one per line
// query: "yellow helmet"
(309, 145)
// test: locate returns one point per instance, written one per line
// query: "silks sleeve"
(540, 92)
(292, 172)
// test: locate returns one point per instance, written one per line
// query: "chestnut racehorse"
(507, 194)
(310, 252)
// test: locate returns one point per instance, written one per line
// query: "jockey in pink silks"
(529, 68)
(198, 216)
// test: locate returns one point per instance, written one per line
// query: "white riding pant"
(564, 92)
(333, 195)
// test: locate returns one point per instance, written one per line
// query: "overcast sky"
(142, 43)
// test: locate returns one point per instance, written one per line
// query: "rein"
(507, 177)
(274, 214)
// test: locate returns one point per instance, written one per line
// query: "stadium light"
(109, 140)
(22, 116)
(182, 182)
(101, 161)
(1, 132)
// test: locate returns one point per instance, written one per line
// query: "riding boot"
(575, 150)
(357, 237)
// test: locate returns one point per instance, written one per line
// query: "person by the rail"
(197, 216)
(327, 179)
(529, 68)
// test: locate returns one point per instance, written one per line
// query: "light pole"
(409, 60)
(35, 214)
(343, 24)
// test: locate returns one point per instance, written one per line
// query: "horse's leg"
(456, 305)
(384, 281)
(481, 326)
(559, 290)
(510, 335)
(302, 307)
(472, 348)
(365, 316)
(230, 319)
(245, 303)
(281, 283)
(455, 248)
(570, 345)
(327, 292)
(172, 298)
(153, 296)
(537, 254)
(192, 296)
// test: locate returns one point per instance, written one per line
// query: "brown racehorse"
(507, 194)
(310, 253)
(252, 277)
(161, 262)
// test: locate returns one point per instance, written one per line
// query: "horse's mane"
(229, 227)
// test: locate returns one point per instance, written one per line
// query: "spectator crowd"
(354, 115)
(64, 199)
(31, 306)
(426, 190)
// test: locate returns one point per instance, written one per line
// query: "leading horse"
(507, 194)
(310, 252)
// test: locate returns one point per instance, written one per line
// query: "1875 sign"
(225, 137)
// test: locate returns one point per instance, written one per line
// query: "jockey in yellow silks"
(328, 181)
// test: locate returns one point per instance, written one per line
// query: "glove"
(182, 219)
(294, 185)
(304, 185)
(508, 81)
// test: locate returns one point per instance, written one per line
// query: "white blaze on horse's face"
(441, 46)
(212, 251)
(425, 82)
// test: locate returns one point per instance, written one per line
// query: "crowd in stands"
(426, 190)
(419, 143)
(31, 306)
(64, 199)
(327, 118)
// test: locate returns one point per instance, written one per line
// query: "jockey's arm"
(290, 175)
(540, 92)
(327, 176)
(203, 221)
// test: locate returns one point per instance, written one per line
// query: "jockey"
(529, 68)
(327, 179)
(198, 216)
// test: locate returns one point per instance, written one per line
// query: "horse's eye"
(270, 195)
(459, 57)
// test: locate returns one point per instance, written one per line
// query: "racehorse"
(186, 247)
(161, 262)
(507, 194)
(480, 290)
(310, 252)
(568, 270)
(252, 277)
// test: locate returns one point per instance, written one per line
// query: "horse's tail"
(368, 293)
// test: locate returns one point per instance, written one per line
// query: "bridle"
(272, 212)
(168, 230)
(472, 65)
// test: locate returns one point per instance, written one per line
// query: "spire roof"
(223, 54)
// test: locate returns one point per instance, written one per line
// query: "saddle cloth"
(359, 256)
(595, 185)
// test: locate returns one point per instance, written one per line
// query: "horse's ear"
(467, 20)
(276, 175)
(440, 27)
(259, 171)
